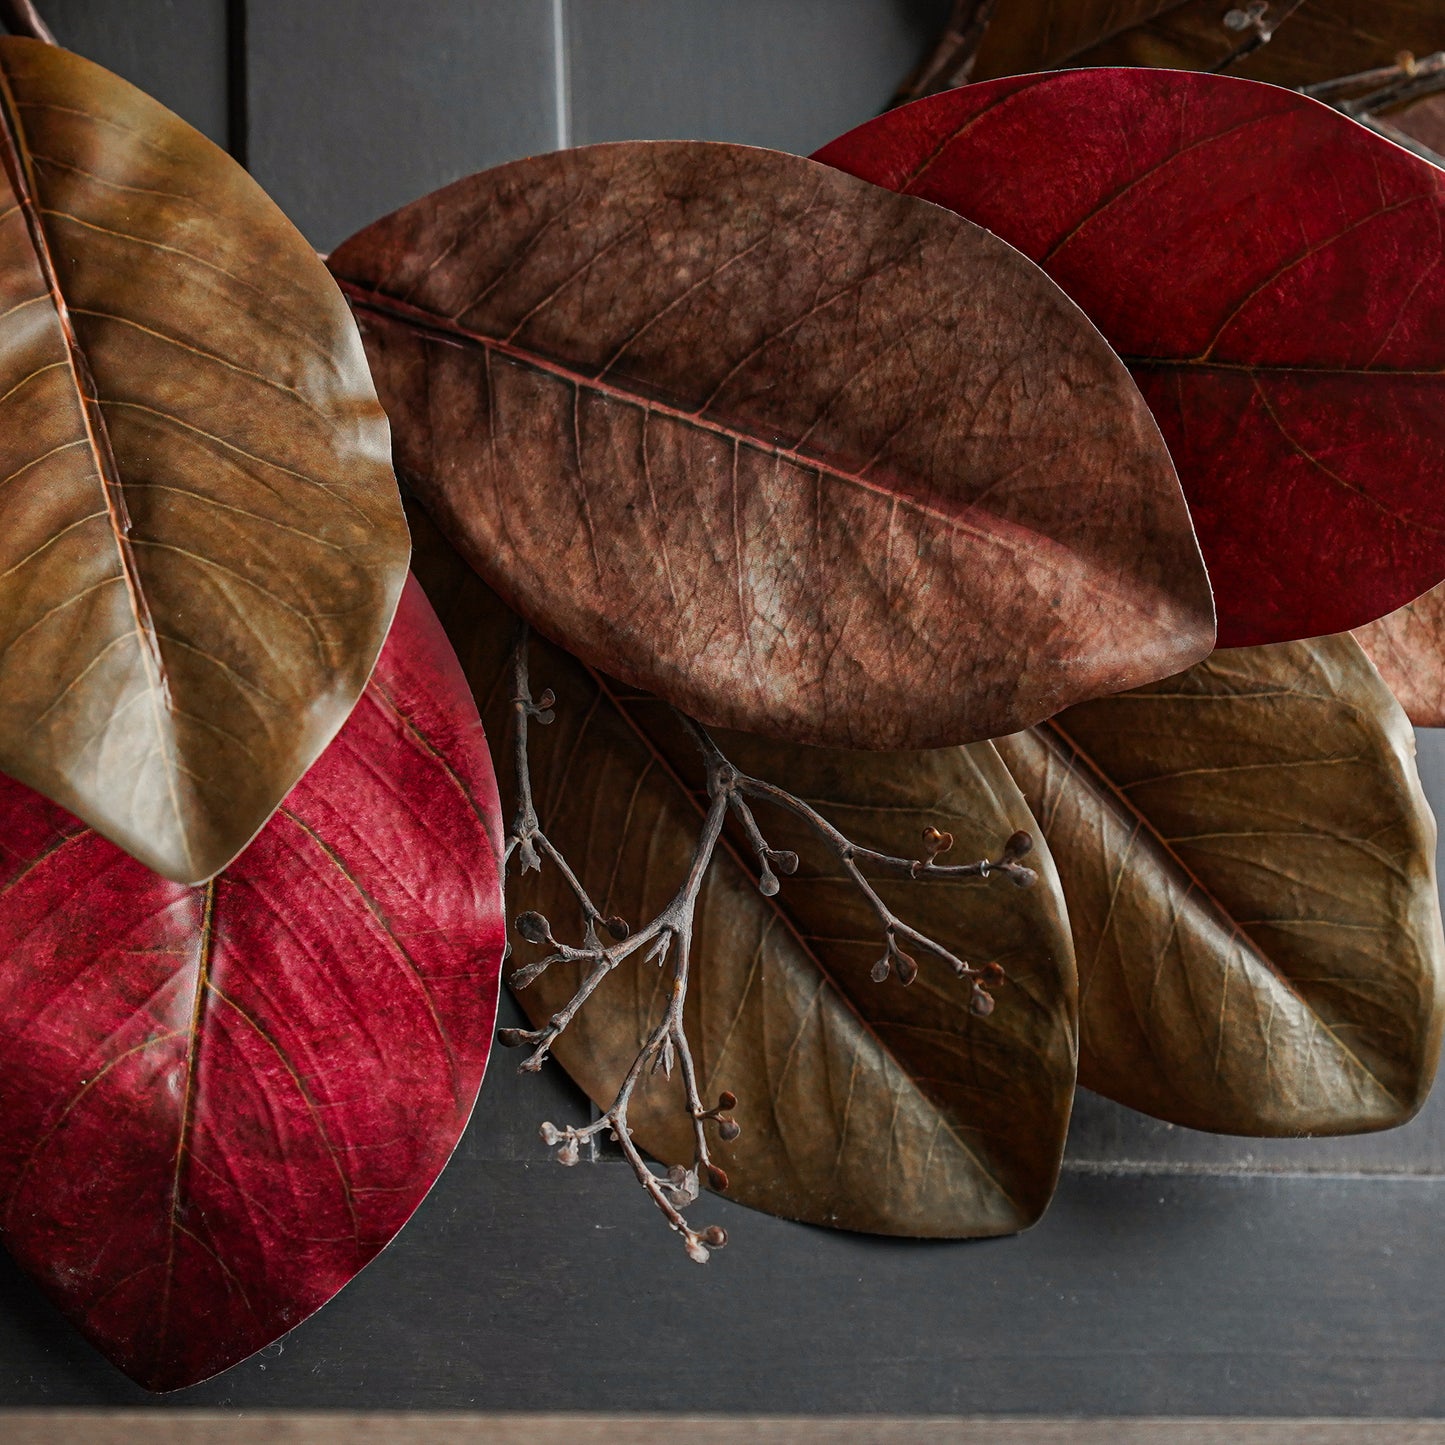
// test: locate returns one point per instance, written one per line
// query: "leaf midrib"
(17, 163)
(1113, 791)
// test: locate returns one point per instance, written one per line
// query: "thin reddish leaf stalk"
(668, 938)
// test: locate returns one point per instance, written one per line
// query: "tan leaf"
(862, 1105)
(201, 543)
(1249, 864)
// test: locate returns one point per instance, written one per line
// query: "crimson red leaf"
(220, 1102)
(1272, 274)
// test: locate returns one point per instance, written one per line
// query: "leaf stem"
(20, 17)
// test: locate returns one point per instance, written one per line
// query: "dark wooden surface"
(1176, 1273)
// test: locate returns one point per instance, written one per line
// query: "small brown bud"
(514, 1039)
(548, 698)
(550, 1134)
(784, 860)
(906, 965)
(717, 1178)
(1024, 877)
(1018, 845)
(697, 1251)
(767, 880)
(935, 841)
(880, 970)
(980, 1002)
(567, 1155)
(727, 1100)
(616, 927)
(715, 1235)
(533, 927)
(728, 1130)
(993, 972)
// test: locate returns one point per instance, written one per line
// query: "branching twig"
(951, 61)
(669, 937)
(20, 17)
(1261, 20)
(1367, 93)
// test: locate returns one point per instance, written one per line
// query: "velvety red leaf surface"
(1272, 274)
(220, 1102)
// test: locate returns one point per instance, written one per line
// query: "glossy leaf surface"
(755, 436)
(863, 1105)
(221, 1102)
(1321, 40)
(1249, 864)
(1271, 272)
(1408, 647)
(201, 543)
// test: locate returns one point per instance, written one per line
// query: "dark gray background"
(1176, 1273)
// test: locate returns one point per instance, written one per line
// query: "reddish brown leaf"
(221, 1102)
(797, 455)
(1271, 272)
(1408, 647)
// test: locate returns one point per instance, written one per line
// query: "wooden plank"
(788, 76)
(205, 1428)
(357, 106)
(549, 1289)
(175, 52)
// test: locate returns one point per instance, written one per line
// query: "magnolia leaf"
(201, 543)
(1320, 40)
(222, 1101)
(796, 455)
(1296, 363)
(1249, 863)
(863, 1105)
(1408, 647)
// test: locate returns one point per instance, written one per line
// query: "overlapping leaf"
(863, 1105)
(201, 543)
(758, 437)
(1249, 866)
(221, 1102)
(1272, 274)
(1408, 647)
(1320, 40)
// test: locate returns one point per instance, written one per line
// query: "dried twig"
(951, 61)
(1261, 20)
(1367, 93)
(668, 939)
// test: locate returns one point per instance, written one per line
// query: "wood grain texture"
(201, 544)
(1249, 865)
(755, 436)
(863, 1105)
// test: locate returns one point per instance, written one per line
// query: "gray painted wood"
(552, 1289)
(174, 49)
(790, 76)
(358, 106)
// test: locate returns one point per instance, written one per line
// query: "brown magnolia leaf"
(1321, 40)
(862, 1105)
(1408, 647)
(798, 455)
(1249, 864)
(201, 543)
